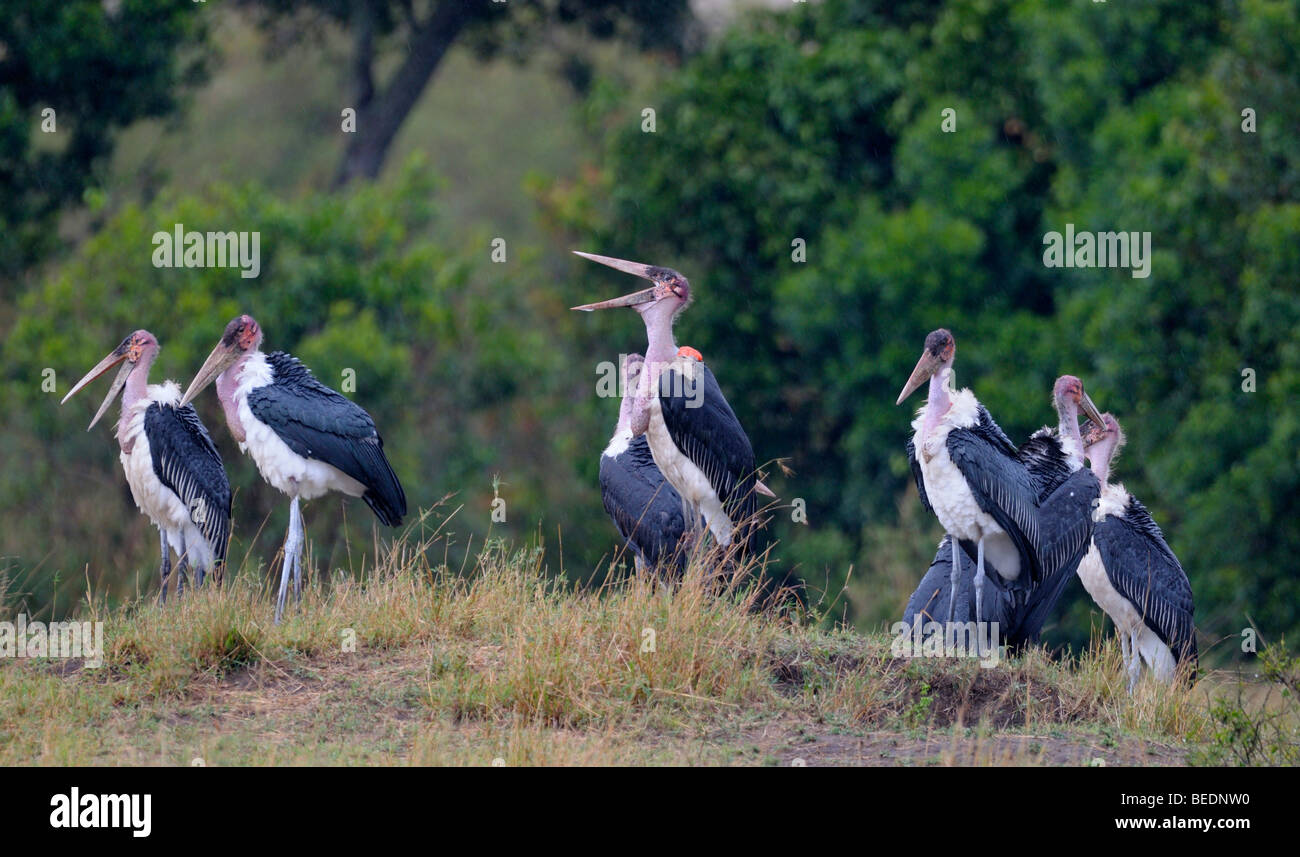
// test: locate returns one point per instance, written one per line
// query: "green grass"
(505, 661)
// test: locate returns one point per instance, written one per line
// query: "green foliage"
(823, 122)
(99, 66)
(1255, 729)
(443, 347)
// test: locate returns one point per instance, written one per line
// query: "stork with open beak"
(174, 470)
(305, 438)
(693, 434)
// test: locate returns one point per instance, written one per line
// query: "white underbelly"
(289, 472)
(955, 507)
(1093, 575)
(161, 505)
(1124, 614)
(686, 477)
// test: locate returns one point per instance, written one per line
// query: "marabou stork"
(646, 509)
(1132, 574)
(1065, 492)
(305, 438)
(175, 472)
(967, 473)
(693, 434)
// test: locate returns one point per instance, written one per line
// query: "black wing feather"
(187, 462)
(319, 423)
(930, 600)
(1046, 461)
(1144, 570)
(1001, 486)
(645, 508)
(703, 426)
(917, 475)
(1064, 533)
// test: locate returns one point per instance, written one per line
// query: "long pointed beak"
(925, 367)
(217, 361)
(636, 269)
(1091, 410)
(118, 383)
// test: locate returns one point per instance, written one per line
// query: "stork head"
(937, 354)
(136, 350)
(668, 296)
(242, 336)
(1102, 441)
(1069, 398)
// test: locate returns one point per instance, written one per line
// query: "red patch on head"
(248, 333)
(687, 351)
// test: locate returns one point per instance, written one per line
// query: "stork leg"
(165, 568)
(292, 548)
(294, 510)
(979, 581)
(198, 569)
(182, 568)
(693, 534)
(955, 575)
(1135, 662)
(1123, 647)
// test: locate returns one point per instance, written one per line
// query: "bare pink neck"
(227, 383)
(1100, 456)
(137, 388)
(939, 399)
(1068, 432)
(661, 349)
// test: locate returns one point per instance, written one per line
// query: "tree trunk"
(380, 114)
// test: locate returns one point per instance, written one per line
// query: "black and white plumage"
(968, 474)
(186, 461)
(999, 495)
(306, 439)
(1064, 494)
(1020, 610)
(645, 508)
(700, 445)
(319, 424)
(174, 471)
(696, 440)
(1133, 574)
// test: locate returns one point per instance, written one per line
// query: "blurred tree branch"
(425, 32)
